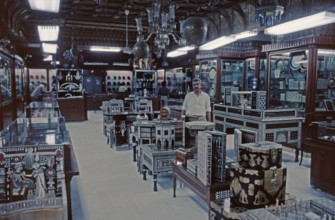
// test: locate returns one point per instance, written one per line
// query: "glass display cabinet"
(208, 76)
(145, 83)
(34, 131)
(325, 80)
(33, 150)
(288, 77)
(231, 78)
(252, 80)
(42, 109)
(5, 78)
(301, 73)
(321, 145)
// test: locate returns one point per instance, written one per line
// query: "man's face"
(196, 86)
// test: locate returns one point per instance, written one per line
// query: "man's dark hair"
(196, 80)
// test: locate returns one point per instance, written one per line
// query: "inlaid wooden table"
(207, 193)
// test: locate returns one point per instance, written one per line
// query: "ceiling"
(96, 22)
(84, 23)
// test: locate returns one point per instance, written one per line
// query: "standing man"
(196, 106)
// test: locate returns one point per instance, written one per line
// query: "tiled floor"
(109, 186)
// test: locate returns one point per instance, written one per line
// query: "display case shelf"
(145, 83)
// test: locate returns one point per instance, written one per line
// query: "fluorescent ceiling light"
(326, 52)
(180, 51)
(245, 34)
(45, 5)
(186, 48)
(48, 33)
(49, 48)
(120, 64)
(105, 49)
(95, 64)
(219, 42)
(300, 24)
(176, 53)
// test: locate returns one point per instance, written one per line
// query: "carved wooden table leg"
(174, 183)
(134, 153)
(155, 182)
(144, 173)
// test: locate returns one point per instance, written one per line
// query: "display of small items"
(259, 177)
(116, 79)
(315, 209)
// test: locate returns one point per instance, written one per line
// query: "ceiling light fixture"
(224, 40)
(45, 5)
(303, 23)
(48, 33)
(219, 42)
(180, 51)
(161, 19)
(105, 49)
(49, 48)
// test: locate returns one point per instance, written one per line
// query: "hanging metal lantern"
(141, 48)
(194, 30)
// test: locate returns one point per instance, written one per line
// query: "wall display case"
(69, 82)
(208, 75)
(93, 81)
(115, 79)
(231, 78)
(321, 145)
(325, 80)
(301, 73)
(5, 78)
(288, 77)
(145, 83)
(252, 80)
(179, 82)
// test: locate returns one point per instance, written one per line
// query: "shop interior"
(99, 141)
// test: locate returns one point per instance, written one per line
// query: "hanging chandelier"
(162, 25)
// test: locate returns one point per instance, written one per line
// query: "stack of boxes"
(259, 177)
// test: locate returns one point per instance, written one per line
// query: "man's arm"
(208, 116)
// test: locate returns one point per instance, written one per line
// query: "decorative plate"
(280, 64)
(296, 62)
(331, 83)
(212, 73)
